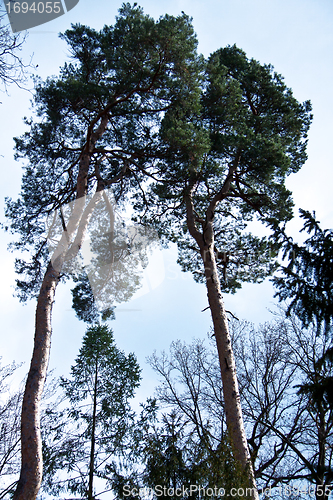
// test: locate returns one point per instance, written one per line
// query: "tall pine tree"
(98, 415)
(226, 166)
(202, 150)
(96, 127)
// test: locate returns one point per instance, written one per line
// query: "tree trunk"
(92, 447)
(231, 396)
(206, 245)
(31, 440)
(31, 443)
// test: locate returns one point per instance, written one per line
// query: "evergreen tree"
(202, 150)
(226, 166)
(96, 128)
(165, 457)
(307, 279)
(176, 462)
(169, 460)
(98, 417)
(307, 285)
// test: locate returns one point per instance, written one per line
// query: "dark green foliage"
(241, 257)
(84, 302)
(128, 74)
(174, 459)
(320, 383)
(307, 280)
(248, 106)
(307, 286)
(230, 158)
(98, 418)
(172, 119)
(167, 457)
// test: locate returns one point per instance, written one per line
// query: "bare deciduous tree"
(289, 434)
(12, 67)
(9, 431)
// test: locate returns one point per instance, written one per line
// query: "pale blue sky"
(296, 36)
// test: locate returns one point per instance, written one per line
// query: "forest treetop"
(199, 148)
(147, 110)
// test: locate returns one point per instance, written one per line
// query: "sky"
(296, 37)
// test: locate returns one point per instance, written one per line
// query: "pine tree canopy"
(96, 125)
(138, 110)
(227, 165)
(307, 279)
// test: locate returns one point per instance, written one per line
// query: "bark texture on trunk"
(92, 443)
(227, 362)
(232, 406)
(206, 244)
(31, 443)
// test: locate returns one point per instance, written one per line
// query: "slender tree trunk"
(231, 396)
(31, 441)
(92, 447)
(206, 245)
